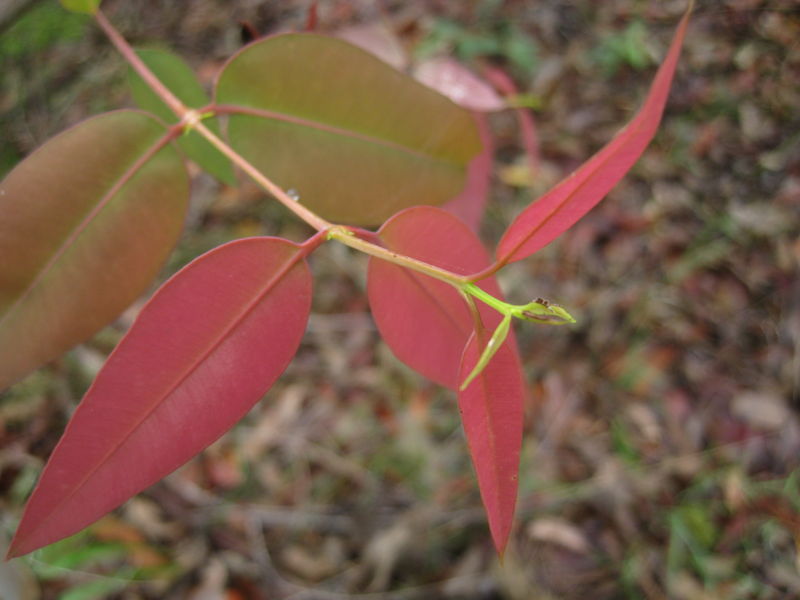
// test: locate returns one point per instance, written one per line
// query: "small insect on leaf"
(542, 311)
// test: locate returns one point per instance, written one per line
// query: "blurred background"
(662, 442)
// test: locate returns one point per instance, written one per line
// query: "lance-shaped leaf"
(561, 207)
(85, 223)
(491, 411)
(173, 72)
(357, 139)
(203, 350)
(425, 321)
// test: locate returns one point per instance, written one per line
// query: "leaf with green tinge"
(87, 221)
(204, 349)
(81, 6)
(491, 411)
(358, 140)
(560, 208)
(173, 72)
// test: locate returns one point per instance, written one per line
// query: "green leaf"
(181, 80)
(87, 221)
(357, 139)
(81, 6)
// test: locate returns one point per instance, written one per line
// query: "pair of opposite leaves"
(216, 336)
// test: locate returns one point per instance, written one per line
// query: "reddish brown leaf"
(205, 348)
(491, 411)
(425, 321)
(87, 221)
(561, 207)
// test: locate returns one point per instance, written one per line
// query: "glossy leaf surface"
(87, 220)
(173, 72)
(491, 412)
(204, 349)
(358, 140)
(425, 321)
(561, 207)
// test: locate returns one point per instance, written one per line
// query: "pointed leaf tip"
(491, 412)
(560, 208)
(206, 347)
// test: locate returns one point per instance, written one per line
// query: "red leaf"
(205, 348)
(469, 204)
(491, 411)
(561, 207)
(425, 321)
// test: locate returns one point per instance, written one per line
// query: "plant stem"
(170, 99)
(346, 237)
(275, 190)
(192, 119)
(487, 298)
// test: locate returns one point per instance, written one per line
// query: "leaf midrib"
(185, 375)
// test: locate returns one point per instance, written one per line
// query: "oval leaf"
(357, 139)
(491, 411)
(87, 220)
(205, 348)
(425, 321)
(173, 72)
(561, 207)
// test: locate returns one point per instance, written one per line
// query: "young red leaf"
(205, 348)
(491, 411)
(87, 221)
(561, 207)
(425, 321)
(356, 138)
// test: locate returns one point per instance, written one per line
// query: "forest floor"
(661, 456)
